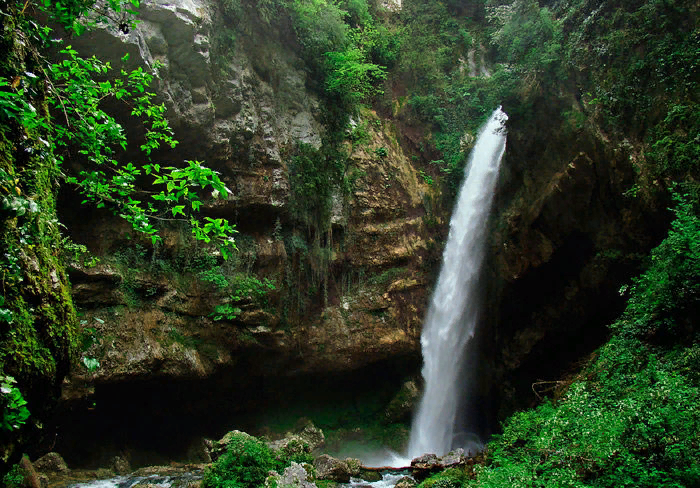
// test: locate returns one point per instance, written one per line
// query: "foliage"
(449, 478)
(78, 96)
(528, 38)
(314, 175)
(382, 152)
(245, 464)
(631, 418)
(74, 14)
(14, 410)
(252, 288)
(320, 27)
(14, 478)
(351, 77)
(215, 277)
(665, 300)
(247, 461)
(674, 147)
(387, 276)
(244, 288)
(78, 91)
(343, 47)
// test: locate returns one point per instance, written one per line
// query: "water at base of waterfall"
(129, 481)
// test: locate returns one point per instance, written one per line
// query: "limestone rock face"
(240, 106)
(235, 104)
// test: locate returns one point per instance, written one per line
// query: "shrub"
(244, 465)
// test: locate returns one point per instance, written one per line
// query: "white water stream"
(454, 311)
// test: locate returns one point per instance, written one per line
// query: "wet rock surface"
(330, 468)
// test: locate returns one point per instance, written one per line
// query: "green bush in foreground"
(245, 464)
(247, 461)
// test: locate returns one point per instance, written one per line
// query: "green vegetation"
(248, 460)
(14, 409)
(52, 113)
(630, 417)
(14, 478)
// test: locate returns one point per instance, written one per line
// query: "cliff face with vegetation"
(341, 187)
(37, 318)
(333, 284)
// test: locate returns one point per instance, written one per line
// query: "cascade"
(454, 312)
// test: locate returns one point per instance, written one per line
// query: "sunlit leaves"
(108, 182)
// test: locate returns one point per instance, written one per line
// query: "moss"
(38, 332)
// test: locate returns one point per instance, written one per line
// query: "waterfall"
(454, 311)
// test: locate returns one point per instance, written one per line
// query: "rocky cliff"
(309, 300)
(338, 300)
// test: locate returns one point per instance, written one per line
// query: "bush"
(244, 465)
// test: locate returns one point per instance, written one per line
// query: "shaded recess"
(157, 421)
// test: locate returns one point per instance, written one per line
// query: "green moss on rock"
(38, 326)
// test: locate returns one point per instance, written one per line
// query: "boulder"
(311, 434)
(423, 466)
(51, 463)
(426, 461)
(355, 466)
(291, 446)
(401, 407)
(198, 451)
(330, 468)
(406, 482)
(296, 475)
(120, 465)
(453, 458)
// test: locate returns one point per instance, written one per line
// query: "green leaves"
(13, 404)
(352, 78)
(245, 463)
(78, 96)
(665, 298)
(91, 364)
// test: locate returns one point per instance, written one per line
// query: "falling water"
(453, 312)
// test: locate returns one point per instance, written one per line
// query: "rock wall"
(349, 297)
(347, 300)
(567, 235)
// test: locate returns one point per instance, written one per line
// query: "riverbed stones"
(120, 465)
(453, 458)
(355, 466)
(51, 463)
(311, 434)
(330, 468)
(292, 445)
(425, 461)
(296, 475)
(406, 482)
